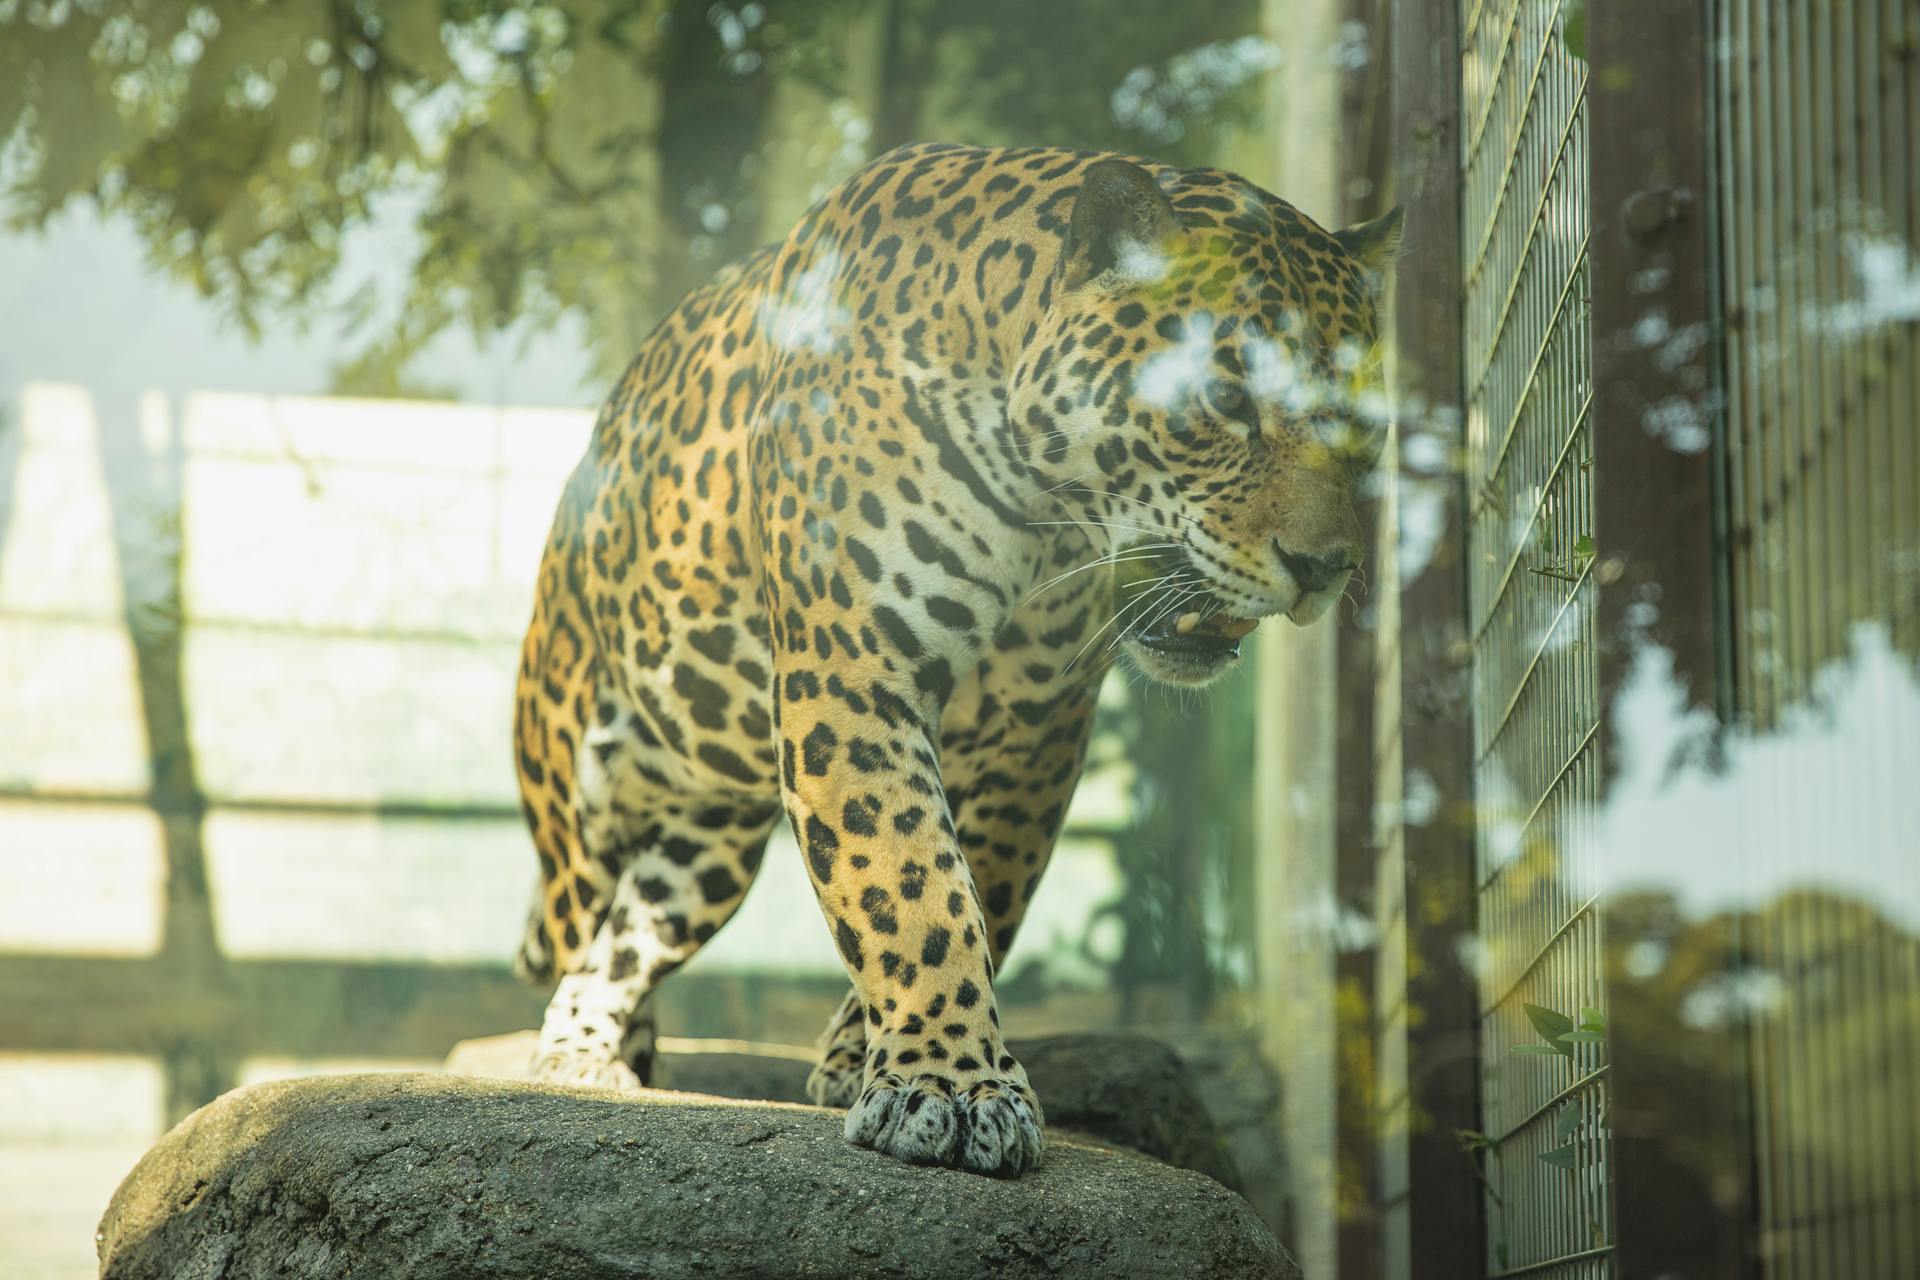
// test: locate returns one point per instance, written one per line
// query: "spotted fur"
(855, 540)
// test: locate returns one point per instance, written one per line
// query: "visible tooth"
(1235, 628)
(1187, 622)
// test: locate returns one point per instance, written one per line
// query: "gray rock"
(751, 1077)
(1130, 1091)
(432, 1177)
(1118, 1089)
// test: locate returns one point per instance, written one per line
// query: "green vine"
(1569, 567)
(1559, 1034)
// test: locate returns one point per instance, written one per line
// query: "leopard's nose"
(1315, 573)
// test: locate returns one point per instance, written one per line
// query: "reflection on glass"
(1553, 910)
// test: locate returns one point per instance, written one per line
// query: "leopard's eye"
(1228, 400)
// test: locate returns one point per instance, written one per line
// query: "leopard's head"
(1203, 400)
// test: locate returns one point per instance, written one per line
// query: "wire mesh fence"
(1527, 361)
(1817, 215)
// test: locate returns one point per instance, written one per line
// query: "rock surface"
(433, 1176)
(1125, 1090)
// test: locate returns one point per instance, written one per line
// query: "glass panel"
(1547, 907)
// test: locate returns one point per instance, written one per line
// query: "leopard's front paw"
(835, 1079)
(584, 1070)
(992, 1126)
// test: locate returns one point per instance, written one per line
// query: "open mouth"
(1179, 621)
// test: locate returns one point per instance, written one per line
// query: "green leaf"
(1567, 1157)
(1591, 1017)
(1569, 1121)
(1583, 545)
(1547, 1049)
(1550, 1025)
(1574, 28)
(1583, 1036)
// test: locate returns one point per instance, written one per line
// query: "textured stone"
(1124, 1090)
(443, 1178)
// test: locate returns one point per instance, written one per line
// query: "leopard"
(853, 544)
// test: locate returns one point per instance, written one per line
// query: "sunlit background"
(305, 310)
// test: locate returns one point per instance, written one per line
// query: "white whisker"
(1118, 614)
(1142, 551)
(1099, 524)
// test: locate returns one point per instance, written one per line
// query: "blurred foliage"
(574, 157)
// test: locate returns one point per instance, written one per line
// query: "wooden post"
(1657, 441)
(1443, 1235)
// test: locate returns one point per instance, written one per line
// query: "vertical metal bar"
(1741, 93)
(1877, 369)
(1775, 520)
(1763, 332)
(1826, 493)
(1728, 265)
(1791, 528)
(1865, 434)
(1871, 217)
(1812, 946)
(1730, 91)
(1745, 185)
(1784, 538)
(1808, 383)
(1899, 105)
(1825, 145)
(1855, 420)
(1781, 494)
(1894, 43)
(1902, 67)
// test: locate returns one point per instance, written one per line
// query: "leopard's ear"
(1375, 245)
(1120, 218)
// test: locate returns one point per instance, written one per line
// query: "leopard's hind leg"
(634, 875)
(840, 1071)
(683, 865)
(555, 702)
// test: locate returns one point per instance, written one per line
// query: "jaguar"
(854, 541)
